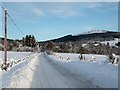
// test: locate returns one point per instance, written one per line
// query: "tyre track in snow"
(50, 75)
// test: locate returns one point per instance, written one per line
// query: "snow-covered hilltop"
(95, 31)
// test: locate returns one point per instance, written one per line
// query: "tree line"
(77, 47)
(29, 40)
(20, 44)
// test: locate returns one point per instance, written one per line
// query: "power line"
(12, 20)
(16, 25)
(2, 7)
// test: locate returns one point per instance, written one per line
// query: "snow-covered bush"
(4, 67)
(83, 57)
(11, 64)
(93, 59)
(61, 57)
(80, 56)
(116, 61)
(49, 52)
(68, 58)
(113, 59)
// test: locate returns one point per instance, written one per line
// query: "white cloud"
(60, 10)
(65, 13)
(93, 5)
(105, 6)
(66, 10)
(38, 12)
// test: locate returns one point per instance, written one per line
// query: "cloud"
(63, 9)
(65, 13)
(38, 12)
(80, 9)
(66, 10)
(92, 5)
(102, 6)
(59, 10)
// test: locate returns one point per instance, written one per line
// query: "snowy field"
(14, 55)
(100, 72)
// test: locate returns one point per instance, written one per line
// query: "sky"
(50, 20)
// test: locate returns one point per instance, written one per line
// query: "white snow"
(95, 31)
(112, 43)
(23, 77)
(20, 74)
(100, 72)
(14, 55)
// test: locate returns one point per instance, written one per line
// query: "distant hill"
(88, 36)
(9, 40)
(102, 36)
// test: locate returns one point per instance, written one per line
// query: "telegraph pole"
(5, 41)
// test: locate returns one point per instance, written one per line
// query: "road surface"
(50, 75)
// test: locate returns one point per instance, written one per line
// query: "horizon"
(84, 33)
(46, 20)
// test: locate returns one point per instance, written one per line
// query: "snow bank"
(20, 75)
(101, 73)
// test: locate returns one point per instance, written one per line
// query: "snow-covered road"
(40, 70)
(49, 74)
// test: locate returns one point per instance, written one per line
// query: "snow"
(100, 72)
(23, 77)
(51, 75)
(19, 73)
(95, 31)
(112, 43)
(14, 55)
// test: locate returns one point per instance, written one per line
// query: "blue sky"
(49, 20)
